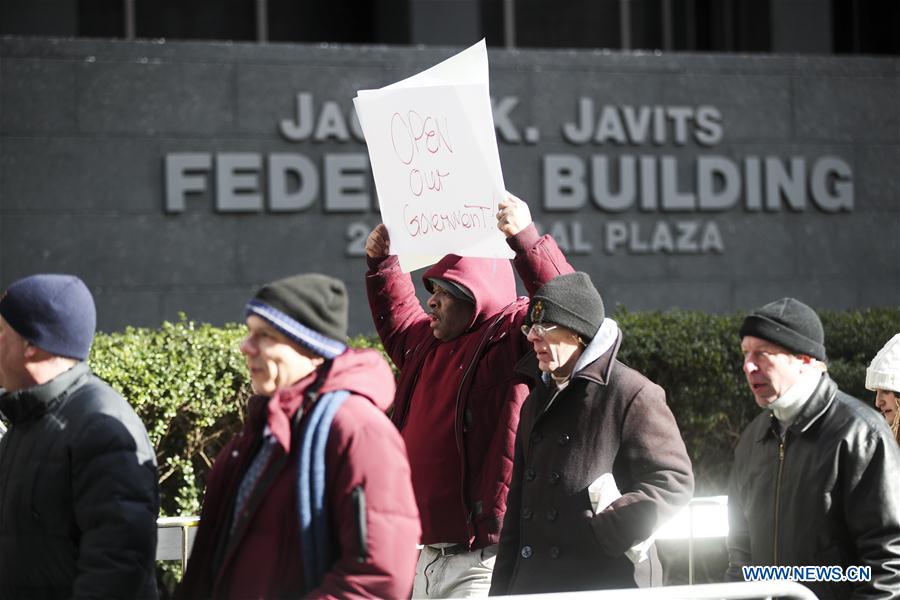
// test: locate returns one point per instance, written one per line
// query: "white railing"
(702, 518)
(709, 591)
(175, 537)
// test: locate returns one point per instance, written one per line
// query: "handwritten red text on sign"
(416, 138)
(471, 216)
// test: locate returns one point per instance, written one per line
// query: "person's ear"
(31, 352)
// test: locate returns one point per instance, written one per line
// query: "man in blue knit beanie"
(79, 494)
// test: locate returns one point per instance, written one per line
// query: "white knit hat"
(884, 372)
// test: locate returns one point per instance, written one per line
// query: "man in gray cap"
(815, 479)
(79, 494)
(599, 461)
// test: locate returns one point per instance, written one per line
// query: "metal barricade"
(705, 517)
(175, 537)
(756, 590)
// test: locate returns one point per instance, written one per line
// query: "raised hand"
(513, 216)
(378, 244)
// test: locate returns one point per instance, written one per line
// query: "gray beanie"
(790, 324)
(570, 300)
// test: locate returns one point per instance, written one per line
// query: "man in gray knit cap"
(815, 478)
(599, 461)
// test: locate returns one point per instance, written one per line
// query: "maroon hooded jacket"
(485, 392)
(262, 557)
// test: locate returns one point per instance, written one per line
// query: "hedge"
(188, 383)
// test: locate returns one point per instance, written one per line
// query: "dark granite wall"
(812, 144)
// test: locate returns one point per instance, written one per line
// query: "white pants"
(464, 575)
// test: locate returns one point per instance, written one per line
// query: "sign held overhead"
(435, 161)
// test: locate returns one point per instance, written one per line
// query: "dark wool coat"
(79, 494)
(487, 393)
(609, 419)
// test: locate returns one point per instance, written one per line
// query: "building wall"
(144, 167)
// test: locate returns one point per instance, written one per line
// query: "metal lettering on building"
(630, 161)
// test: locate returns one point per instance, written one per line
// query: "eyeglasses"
(538, 329)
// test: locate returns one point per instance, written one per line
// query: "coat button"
(554, 552)
(527, 513)
(554, 478)
(564, 439)
(529, 474)
(526, 552)
(536, 437)
(552, 513)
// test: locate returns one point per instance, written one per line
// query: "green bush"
(188, 383)
(697, 359)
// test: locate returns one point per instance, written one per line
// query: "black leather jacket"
(829, 494)
(78, 493)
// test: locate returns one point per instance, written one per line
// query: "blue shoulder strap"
(315, 539)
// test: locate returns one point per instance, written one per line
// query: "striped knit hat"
(310, 309)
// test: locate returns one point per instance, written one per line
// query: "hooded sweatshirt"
(374, 542)
(458, 401)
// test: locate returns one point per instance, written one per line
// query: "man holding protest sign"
(459, 394)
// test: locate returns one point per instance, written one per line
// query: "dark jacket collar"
(528, 366)
(598, 371)
(33, 402)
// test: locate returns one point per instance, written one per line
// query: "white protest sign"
(434, 156)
